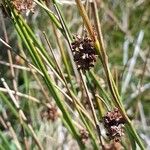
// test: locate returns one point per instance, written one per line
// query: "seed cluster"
(84, 52)
(84, 135)
(114, 123)
(23, 5)
(50, 113)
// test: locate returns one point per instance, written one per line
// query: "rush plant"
(63, 86)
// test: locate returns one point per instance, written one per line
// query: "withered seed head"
(23, 5)
(114, 123)
(84, 52)
(84, 135)
(50, 113)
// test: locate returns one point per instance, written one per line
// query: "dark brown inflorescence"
(114, 123)
(50, 113)
(84, 52)
(84, 135)
(23, 5)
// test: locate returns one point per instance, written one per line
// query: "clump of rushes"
(84, 52)
(23, 5)
(84, 135)
(50, 113)
(114, 124)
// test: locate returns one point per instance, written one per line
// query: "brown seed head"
(23, 5)
(84, 52)
(50, 113)
(114, 123)
(84, 135)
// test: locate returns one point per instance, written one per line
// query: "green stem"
(99, 46)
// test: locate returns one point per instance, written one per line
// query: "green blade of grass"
(6, 142)
(38, 61)
(99, 46)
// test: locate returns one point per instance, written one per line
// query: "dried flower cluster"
(23, 5)
(84, 53)
(84, 135)
(50, 113)
(114, 123)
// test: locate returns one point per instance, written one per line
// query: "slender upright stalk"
(92, 108)
(99, 46)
